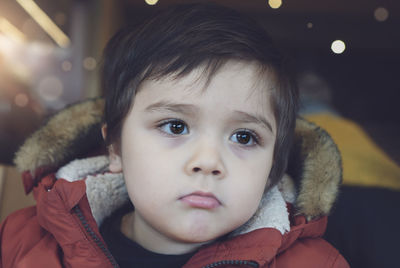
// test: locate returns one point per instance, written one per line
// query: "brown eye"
(174, 127)
(177, 127)
(245, 137)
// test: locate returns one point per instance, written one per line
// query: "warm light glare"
(309, 25)
(21, 100)
(151, 2)
(7, 46)
(275, 3)
(338, 46)
(9, 55)
(381, 14)
(11, 31)
(45, 22)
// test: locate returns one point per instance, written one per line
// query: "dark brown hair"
(181, 38)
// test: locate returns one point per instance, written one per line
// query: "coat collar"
(270, 231)
(259, 240)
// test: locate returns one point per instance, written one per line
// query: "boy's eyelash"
(167, 121)
(254, 135)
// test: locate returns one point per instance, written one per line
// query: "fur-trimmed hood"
(314, 165)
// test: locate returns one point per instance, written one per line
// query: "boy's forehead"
(253, 78)
(237, 88)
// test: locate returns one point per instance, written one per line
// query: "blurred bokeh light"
(338, 46)
(151, 2)
(381, 14)
(275, 3)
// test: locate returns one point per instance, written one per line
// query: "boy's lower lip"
(200, 201)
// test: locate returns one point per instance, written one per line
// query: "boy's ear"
(114, 158)
(104, 131)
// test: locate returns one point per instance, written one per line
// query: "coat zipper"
(111, 259)
(232, 262)
(94, 237)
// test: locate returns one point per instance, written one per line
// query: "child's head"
(201, 115)
(176, 41)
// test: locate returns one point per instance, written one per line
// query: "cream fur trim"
(271, 213)
(80, 168)
(105, 191)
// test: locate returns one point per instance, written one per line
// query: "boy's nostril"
(216, 172)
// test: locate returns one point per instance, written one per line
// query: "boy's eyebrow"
(190, 109)
(182, 108)
(249, 118)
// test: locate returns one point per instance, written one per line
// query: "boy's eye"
(245, 137)
(174, 127)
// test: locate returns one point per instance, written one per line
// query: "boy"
(199, 121)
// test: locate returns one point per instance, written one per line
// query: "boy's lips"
(201, 200)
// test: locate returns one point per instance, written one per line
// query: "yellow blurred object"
(275, 3)
(151, 2)
(11, 31)
(364, 163)
(45, 22)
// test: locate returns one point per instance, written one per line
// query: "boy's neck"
(149, 238)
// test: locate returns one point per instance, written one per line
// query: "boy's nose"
(206, 160)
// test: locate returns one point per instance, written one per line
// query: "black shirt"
(130, 254)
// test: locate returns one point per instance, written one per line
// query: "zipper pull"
(233, 262)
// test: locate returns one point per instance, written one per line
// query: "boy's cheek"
(240, 153)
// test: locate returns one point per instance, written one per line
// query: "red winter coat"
(62, 229)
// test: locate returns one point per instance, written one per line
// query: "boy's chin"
(198, 239)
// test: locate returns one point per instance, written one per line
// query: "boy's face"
(195, 160)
